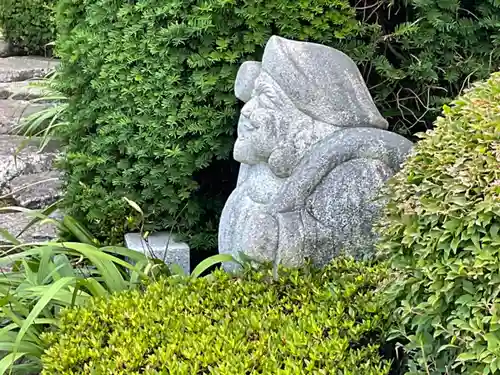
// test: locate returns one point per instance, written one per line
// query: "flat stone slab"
(13, 111)
(17, 68)
(22, 90)
(24, 162)
(161, 245)
(37, 190)
(14, 223)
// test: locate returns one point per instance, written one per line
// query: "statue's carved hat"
(321, 81)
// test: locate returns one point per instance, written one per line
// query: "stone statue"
(313, 156)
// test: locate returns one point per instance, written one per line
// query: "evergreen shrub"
(28, 25)
(152, 113)
(441, 230)
(418, 55)
(306, 322)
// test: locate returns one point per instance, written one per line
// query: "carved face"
(264, 122)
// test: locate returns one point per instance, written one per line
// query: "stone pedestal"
(161, 245)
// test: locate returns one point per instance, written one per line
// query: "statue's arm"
(340, 147)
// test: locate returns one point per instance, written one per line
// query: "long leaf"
(44, 266)
(33, 213)
(105, 263)
(209, 262)
(63, 296)
(9, 237)
(44, 214)
(31, 124)
(25, 347)
(9, 360)
(14, 317)
(41, 304)
(94, 287)
(64, 267)
(11, 258)
(12, 326)
(34, 366)
(101, 253)
(134, 255)
(78, 230)
(21, 308)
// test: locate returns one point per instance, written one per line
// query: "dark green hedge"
(307, 322)
(28, 24)
(441, 230)
(152, 111)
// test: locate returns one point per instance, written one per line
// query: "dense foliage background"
(152, 105)
(28, 24)
(442, 232)
(152, 113)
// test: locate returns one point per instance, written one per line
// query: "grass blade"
(105, 263)
(9, 360)
(209, 262)
(79, 231)
(9, 237)
(95, 288)
(40, 305)
(44, 214)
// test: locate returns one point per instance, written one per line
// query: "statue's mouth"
(247, 124)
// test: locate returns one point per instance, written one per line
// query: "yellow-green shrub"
(307, 322)
(442, 232)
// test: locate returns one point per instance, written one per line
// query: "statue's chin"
(244, 153)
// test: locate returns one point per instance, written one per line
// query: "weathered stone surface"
(35, 190)
(247, 74)
(5, 49)
(313, 157)
(26, 161)
(12, 111)
(22, 90)
(161, 245)
(23, 68)
(14, 223)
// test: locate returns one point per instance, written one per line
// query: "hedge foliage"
(28, 24)
(422, 53)
(152, 111)
(442, 232)
(307, 322)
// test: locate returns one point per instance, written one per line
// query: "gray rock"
(13, 111)
(314, 155)
(22, 90)
(5, 49)
(36, 190)
(161, 245)
(14, 223)
(16, 161)
(14, 69)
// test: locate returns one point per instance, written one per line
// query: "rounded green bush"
(441, 229)
(28, 25)
(307, 322)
